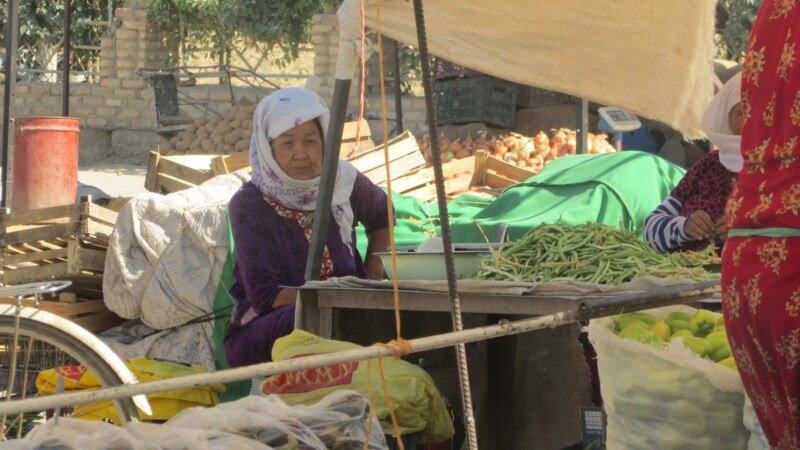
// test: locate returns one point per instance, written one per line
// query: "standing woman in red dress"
(761, 259)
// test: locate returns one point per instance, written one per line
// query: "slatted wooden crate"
(495, 173)
(421, 184)
(167, 174)
(60, 242)
(91, 314)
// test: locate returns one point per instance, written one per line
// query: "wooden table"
(315, 310)
(554, 381)
(317, 306)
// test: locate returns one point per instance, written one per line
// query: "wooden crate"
(495, 173)
(60, 242)
(421, 184)
(167, 174)
(91, 314)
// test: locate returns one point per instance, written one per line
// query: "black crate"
(484, 99)
(446, 70)
(532, 97)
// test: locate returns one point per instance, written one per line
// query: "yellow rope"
(398, 346)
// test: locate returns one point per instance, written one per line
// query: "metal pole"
(441, 197)
(67, 57)
(398, 91)
(12, 28)
(585, 311)
(582, 138)
(330, 162)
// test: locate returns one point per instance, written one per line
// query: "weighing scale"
(617, 121)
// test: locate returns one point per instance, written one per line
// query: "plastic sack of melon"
(668, 381)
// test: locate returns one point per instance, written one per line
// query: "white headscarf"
(717, 127)
(277, 113)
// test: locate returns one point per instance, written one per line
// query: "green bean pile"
(595, 253)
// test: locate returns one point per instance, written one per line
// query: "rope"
(441, 196)
(398, 346)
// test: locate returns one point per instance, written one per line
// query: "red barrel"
(45, 162)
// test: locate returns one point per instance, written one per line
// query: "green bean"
(595, 253)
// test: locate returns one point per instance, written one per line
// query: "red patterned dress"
(761, 260)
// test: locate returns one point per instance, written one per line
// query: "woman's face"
(299, 151)
(736, 119)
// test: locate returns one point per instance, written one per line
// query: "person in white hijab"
(693, 214)
(271, 219)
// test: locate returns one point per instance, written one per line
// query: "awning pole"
(67, 57)
(12, 28)
(398, 91)
(330, 163)
(582, 138)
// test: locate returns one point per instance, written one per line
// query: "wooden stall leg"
(501, 362)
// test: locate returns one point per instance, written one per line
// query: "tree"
(41, 31)
(735, 19)
(281, 24)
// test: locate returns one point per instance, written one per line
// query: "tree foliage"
(735, 19)
(218, 23)
(41, 30)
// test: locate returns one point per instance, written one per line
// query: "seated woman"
(271, 218)
(693, 212)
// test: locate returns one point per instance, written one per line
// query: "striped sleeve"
(665, 228)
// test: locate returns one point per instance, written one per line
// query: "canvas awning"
(651, 57)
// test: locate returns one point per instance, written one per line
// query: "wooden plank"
(452, 186)
(103, 215)
(481, 164)
(73, 257)
(41, 214)
(99, 229)
(177, 169)
(400, 146)
(99, 322)
(349, 130)
(399, 167)
(43, 255)
(236, 161)
(92, 259)
(507, 170)
(351, 150)
(425, 176)
(498, 181)
(151, 178)
(170, 184)
(218, 166)
(67, 297)
(25, 274)
(40, 233)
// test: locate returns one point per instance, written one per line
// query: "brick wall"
(118, 114)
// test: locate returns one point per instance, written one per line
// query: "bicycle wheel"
(56, 341)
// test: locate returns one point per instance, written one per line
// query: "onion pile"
(531, 153)
(215, 135)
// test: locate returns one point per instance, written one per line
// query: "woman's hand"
(721, 229)
(287, 296)
(699, 225)
(377, 241)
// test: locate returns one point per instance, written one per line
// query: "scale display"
(617, 120)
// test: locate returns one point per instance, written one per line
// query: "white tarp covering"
(651, 57)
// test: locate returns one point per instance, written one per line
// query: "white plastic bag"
(758, 441)
(666, 398)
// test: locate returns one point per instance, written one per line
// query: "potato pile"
(215, 135)
(531, 153)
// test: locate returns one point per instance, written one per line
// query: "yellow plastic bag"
(164, 404)
(416, 401)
